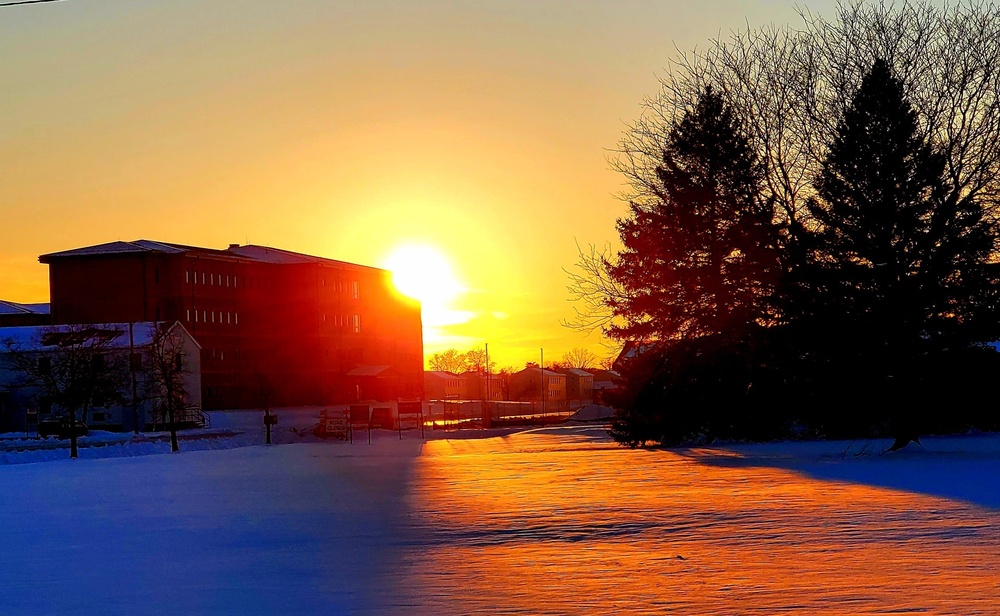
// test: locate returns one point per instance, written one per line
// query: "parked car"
(60, 427)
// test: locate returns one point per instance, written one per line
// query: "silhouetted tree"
(451, 360)
(897, 264)
(579, 358)
(790, 85)
(167, 376)
(702, 258)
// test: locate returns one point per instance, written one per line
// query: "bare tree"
(451, 360)
(167, 376)
(579, 358)
(791, 84)
(77, 367)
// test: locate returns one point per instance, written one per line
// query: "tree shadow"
(965, 468)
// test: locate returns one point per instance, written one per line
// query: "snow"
(545, 521)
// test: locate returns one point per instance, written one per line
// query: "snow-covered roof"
(262, 254)
(16, 308)
(577, 372)
(444, 374)
(368, 371)
(266, 254)
(46, 337)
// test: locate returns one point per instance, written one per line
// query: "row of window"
(210, 316)
(227, 280)
(341, 320)
(340, 287)
(209, 278)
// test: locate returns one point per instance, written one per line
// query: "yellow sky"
(342, 129)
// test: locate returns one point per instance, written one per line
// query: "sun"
(423, 273)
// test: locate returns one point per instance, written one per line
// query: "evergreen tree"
(897, 257)
(898, 269)
(701, 259)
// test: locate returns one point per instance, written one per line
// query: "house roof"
(46, 337)
(375, 371)
(575, 372)
(261, 254)
(545, 372)
(444, 374)
(16, 308)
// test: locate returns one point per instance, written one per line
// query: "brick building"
(275, 326)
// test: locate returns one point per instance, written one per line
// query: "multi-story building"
(275, 327)
(541, 386)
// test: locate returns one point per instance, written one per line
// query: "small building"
(528, 386)
(478, 386)
(13, 314)
(129, 346)
(579, 386)
(442, 385)
(605, 382)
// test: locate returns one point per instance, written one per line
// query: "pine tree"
(897, 258)
(700, 260)
(898, 274)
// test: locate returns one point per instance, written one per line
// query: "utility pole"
(541, 377)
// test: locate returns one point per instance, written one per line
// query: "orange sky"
(342, 129)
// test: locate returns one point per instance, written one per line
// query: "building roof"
(46, 337)
(444, 374)
(375, 371)
(251, 252)
(16, 308)
(577, 372)
(545, 372)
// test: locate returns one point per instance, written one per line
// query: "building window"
(236, 318)
(187, 276)
(196, 316)
(356, 323)
(229, 318)
(213, 316)
(204, 316)
(188, 312)
(203, 278)
(355, 289)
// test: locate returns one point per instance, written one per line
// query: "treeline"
(811, 242)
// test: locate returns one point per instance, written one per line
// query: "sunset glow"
(425, 274)
(341, 130)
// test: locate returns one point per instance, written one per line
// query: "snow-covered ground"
(547, 521)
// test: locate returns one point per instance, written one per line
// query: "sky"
(471, 136)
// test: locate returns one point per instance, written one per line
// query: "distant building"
(605, 382)
(275, 326)
(579, 386)
(13, 314)
(41, 343)
(527, 386)
(478, 386)
(442, 385)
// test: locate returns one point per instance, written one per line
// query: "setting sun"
(425, 274)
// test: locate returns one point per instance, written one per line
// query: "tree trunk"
(173, 426)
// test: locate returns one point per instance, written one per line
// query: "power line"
(28, 2)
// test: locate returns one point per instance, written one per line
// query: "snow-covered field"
(547, 521)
